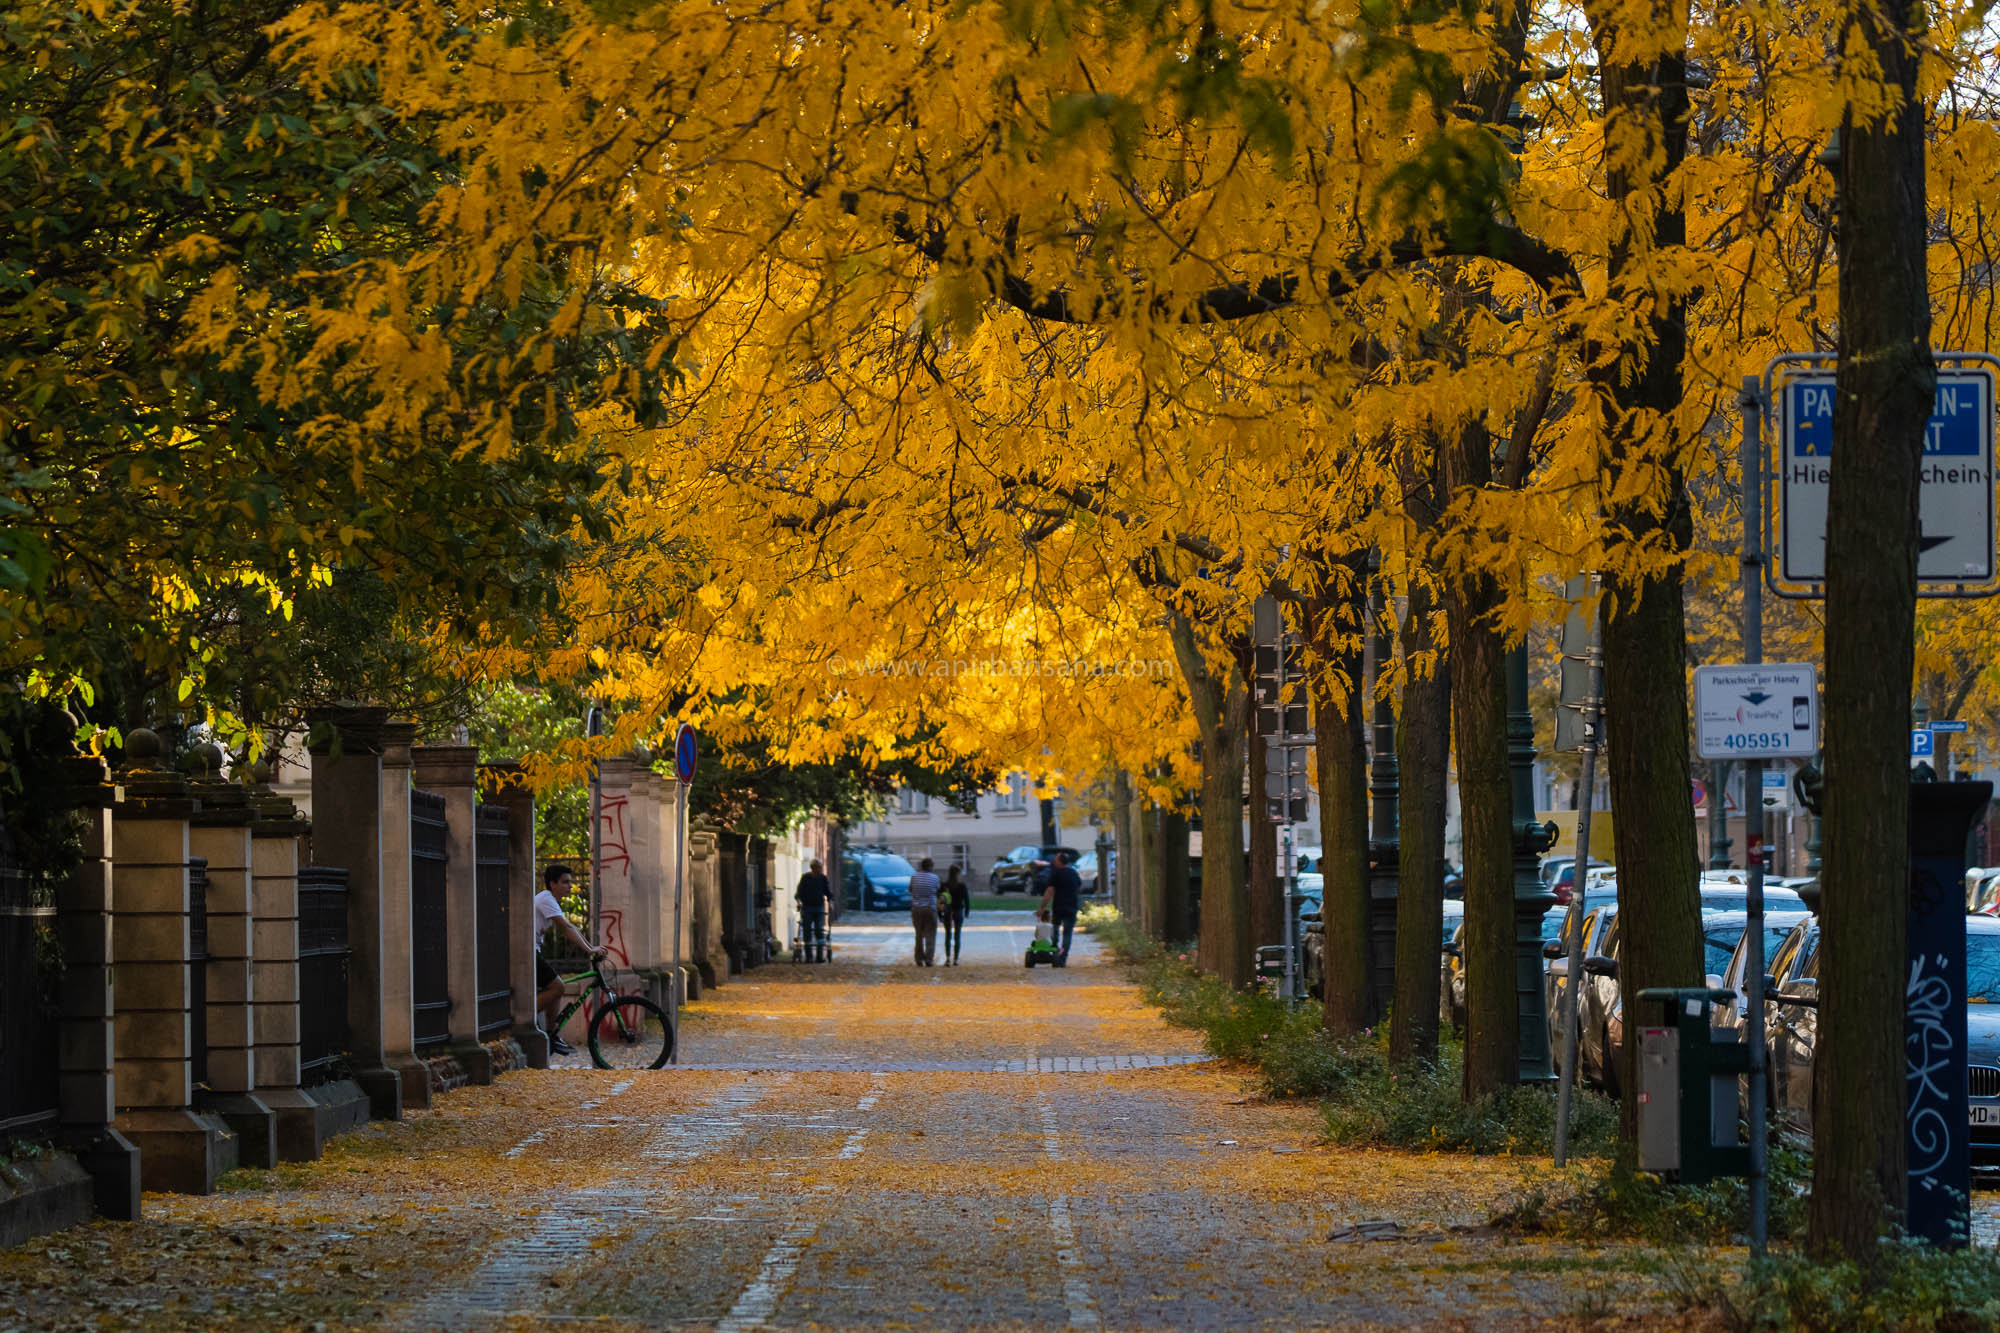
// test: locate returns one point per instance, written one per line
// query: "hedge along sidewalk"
(1366, 1101)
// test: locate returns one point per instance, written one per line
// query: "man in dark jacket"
(1060, 901)
(812, 896)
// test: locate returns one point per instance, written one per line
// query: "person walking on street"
(924, 912)
(812, 896)
(1060, 901)
(954, 901)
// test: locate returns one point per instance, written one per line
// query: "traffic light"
(1285, 780)
(1278, 686)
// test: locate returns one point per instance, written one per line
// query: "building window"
(915, 802)
(1012, 797)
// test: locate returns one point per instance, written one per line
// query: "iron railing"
(429, 934)
(323, 955)
(28, 1006)
(495, 933)
(198, 969)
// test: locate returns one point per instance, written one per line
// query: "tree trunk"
(1221, 707)
(1485, 797)
(1638, 384)
(1177, 903)
(1423, 750)
(1153, 881)
(1125, 833)
(1267, 895)
(1883, 402)
(1342, 757)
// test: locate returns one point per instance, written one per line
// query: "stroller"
(811, 951)
(1042, 949)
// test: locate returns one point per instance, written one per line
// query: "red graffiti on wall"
(611, 934)
(611, 835)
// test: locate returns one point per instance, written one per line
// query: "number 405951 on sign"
(1767, 711)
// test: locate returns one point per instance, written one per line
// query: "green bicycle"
(626, 1031)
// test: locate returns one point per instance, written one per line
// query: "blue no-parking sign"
(684, 753)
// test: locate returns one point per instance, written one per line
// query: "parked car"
(1016, 870)
(1312, 946)
(1559, 873)
(1092, 874)
(1982, 890)
(876, 879)
(1555, 975)
(1792, 1029)
(1451, 979)
(1791, 1025)
(1725, 929)
(1601, 1007)
(1727, 950)
(1736, 898)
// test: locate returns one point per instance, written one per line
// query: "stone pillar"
(361, 821)
(676, 905)
(644, 940)
(219, 833)
(87, 1050)
(707, 954)
(611, 887)
(452, 771)
(399, 992)
(180, 1149)
(506, 784)
(307, 1117)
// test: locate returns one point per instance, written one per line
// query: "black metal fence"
(28, 1005)
(496, 996)
(198, 968)
(429, 945)
(323, 954)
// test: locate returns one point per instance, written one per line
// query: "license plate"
(1986, 1115)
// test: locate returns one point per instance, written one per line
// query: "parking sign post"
(1752, 403)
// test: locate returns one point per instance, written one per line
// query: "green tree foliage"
(198, 393)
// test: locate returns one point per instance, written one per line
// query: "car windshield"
(1719, 946)
(1597, 895)
(880, 864)
(1728, 938)
(1982, 969)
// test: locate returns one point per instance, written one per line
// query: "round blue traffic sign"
(684, 753)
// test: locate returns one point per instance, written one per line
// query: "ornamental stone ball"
(208, 761)
(143, 748)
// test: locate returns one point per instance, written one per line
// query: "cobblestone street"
(860, 1144)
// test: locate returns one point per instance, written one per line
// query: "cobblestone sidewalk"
(863, 1144)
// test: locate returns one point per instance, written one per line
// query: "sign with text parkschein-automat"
(1957, 498)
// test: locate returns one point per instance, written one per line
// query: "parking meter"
(1688, 1078)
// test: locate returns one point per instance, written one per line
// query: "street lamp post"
(1384, 842)
(1531, 900)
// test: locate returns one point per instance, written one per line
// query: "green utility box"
(1688, 1082)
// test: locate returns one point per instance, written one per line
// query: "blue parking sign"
(1956, 546)
(1922, 746)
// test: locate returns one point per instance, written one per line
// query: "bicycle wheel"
(631, 1032)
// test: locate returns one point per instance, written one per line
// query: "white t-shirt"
(547, 909)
